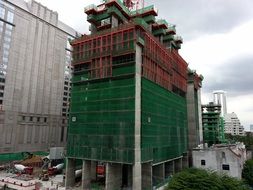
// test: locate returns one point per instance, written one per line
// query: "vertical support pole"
(86, 175)
(113, 176)
(70, 173)
(137, 182)
(93, 170)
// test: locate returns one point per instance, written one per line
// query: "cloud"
(234, 77)
(196, 17)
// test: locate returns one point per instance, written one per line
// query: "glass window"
(203, 162)
(6, 53)
(2, 12)
(9, 27)
(6, 46)
(8, 32)
(225, 166)
(5, 60)
(7, 39)
(10, 17)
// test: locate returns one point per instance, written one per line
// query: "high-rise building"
(128, 105)
(35, 61)
(233, 125)
(219, 97)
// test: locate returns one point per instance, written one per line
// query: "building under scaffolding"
(213, 124)
(128, 99)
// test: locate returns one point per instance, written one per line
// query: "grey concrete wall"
(113, 180)
(193, 133)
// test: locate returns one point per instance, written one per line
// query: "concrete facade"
(35, 76)
(228, 159)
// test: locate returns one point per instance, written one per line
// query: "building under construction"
(128, 99)
(213, 124)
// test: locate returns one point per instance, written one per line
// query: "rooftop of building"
(27, 6)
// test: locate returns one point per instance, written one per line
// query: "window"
(2, 12)
(45, 119)
(203, 162)
(10, 17)
(9, 27)
(38, 119)
(23, 118)
(31, 118)
(225, 167)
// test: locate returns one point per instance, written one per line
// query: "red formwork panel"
(96, 51)
(160, 65)
(165, 67)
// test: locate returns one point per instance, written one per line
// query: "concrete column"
(70, 173)
(146, 176)
(93, 170)
(86, 175)
(178, 165)
(113, 178)
(169, 168)
(200, 117)
(158, 173)
(193, 133)
(137, 134)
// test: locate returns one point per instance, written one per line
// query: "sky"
(218, 43)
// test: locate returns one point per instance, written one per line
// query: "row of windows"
(34, 119)
(224, 166)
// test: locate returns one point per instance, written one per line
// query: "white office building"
(35, 76)
(233, 125)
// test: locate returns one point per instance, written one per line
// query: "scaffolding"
(213, 124)
(102, 108)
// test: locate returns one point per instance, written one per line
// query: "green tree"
(199, 179)
(247, 172)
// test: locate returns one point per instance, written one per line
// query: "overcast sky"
(218, 43)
